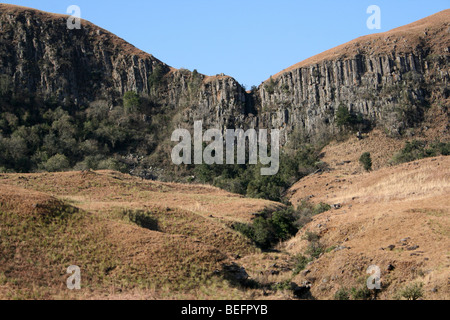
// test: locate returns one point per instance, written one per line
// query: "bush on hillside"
(366, 161)
(417, 149)
(270, 228)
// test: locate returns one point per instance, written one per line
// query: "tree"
(57, 163)
(343, 117)
(155, 78)
(270, 86)
(131, 101)
(366, 161)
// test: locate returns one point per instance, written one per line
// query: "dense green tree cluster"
(247, 179)
(271, 227)
(37, 135)
(349, 120)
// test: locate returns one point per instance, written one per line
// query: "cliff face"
(390, 80)
(387, 80)
(41, 56)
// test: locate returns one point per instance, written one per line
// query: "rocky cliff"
(41, 56)
(388, 79)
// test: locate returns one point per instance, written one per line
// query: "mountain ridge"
(393, 90)
(336, 52)
(84, 130)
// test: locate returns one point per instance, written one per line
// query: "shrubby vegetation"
(247, 179)
(361, 292)
(416, 150)
(270, 86)
(366, 161)
(351, 121)
(37, 135)
(300, 263)
(412, 291)
(269, 228)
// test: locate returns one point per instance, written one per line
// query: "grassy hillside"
(136, 239)
(124, 233)
(397, 218)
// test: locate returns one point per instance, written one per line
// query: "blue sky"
(249, 40)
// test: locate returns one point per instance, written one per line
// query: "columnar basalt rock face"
(41, 56)
(390, 88)
(387, 79)
(218, 101)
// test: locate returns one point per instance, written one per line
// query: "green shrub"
(283, 224)
(156, 77)
(112, 164)
(342, 294)
(311, 236)
(305, 211)
(194, 83)
(245, 229)
(349, 120)
(300, 263)
(361, 293)
(282, 286)
(321, 208)
(366, 161)
(315, 249)
(269, 228)
(442, 148)
(412, 292)
(247, 179)
(131, 101)
(264, 233)
(33, 131)
(270, 86)
(416, 150)
(412, 151)
(330, 249)
(57, 163)
(343, 117)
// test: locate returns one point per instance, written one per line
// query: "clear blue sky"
(249, 40)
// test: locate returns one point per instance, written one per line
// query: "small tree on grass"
(366, 161)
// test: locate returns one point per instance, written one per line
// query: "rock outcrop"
(388, 79)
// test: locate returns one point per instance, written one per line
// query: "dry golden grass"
(379, 209)
(103, 187)
(122, 260)
(41, 236)
(125, 261)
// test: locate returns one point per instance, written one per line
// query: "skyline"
(249, 41)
